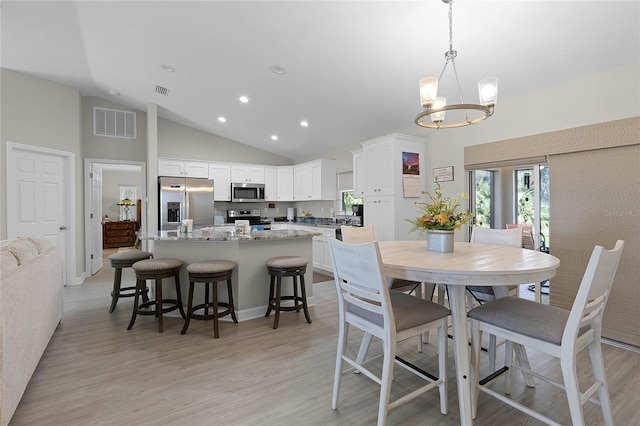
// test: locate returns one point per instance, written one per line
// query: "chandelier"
(435, 107)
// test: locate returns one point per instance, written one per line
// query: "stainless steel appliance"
(247, 192)
(184, 198)
(253, 216)
(358, 211)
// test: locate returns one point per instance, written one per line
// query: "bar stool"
(210, 271)
(156, 269)
(120, 260)
(287, 266)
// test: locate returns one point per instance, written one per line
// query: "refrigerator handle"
(185, 203)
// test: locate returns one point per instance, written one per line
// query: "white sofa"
(31, 291)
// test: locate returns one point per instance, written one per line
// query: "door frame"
(88, 164)
(69, 165)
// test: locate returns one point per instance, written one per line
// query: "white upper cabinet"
(285, 183)
(315, 180)
(179, 168)
(379, 169)
(270, 183)
(221, 175)
(245, 173)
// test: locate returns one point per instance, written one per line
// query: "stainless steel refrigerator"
(184, 198)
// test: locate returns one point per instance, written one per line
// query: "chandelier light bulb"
(428, 91)
(488, 91)
(438, 117)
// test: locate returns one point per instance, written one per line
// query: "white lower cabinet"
(380, 212)
(321, 255)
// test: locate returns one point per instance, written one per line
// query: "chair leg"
(597, 364)
(305, 307)
(231, 305)
(189, 309)
(271, 294)
(139, 284)
(159, 305)
(178, 296)
(216, 329)
(115, 295)
(206, 298)
(343, 332)
(389, 351)
(572, 387)
(364, 348)
(476, 340)
(295, 293)
(277, 309)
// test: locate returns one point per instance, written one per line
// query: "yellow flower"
(442, 218)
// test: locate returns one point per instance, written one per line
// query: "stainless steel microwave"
(247, 192)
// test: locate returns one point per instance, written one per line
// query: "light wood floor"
(95, 372)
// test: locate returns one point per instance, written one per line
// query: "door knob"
(62, 228)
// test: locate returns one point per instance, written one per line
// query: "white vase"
(439, 240)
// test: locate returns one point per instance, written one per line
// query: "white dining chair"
(367, 234)
(365, 302)
(503, 237)
(556, 332)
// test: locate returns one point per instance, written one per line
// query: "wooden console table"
(118, 234)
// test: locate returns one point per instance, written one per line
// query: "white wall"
(42, 113)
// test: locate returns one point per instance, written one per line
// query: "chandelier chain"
(451, 25)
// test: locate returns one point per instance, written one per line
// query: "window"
(483, 199)
(348, 200)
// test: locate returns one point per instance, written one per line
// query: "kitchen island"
(250, 279)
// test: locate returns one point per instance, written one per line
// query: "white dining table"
(469, 264)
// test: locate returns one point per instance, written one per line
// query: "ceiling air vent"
(162, 90)
(114, 123)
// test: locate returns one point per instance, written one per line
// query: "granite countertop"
(213, 235)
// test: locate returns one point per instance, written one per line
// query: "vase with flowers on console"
(439, 217)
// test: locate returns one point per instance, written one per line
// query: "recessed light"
(304, 123)
(244, 99)
(114, 93)
(222, 119)
(168, 68)
(274, 137)
(277, 69)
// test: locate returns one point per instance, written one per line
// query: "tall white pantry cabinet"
(377, 172)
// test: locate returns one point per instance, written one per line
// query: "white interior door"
(36, 197)
(96, 218)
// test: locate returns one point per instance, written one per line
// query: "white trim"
(87, 204)
(69, 159)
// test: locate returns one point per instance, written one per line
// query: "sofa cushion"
(42, 244)
(23, 249)
(8, 261)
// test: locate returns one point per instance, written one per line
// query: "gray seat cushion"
(129, 256)
(156, 265)
(211, 266)
(408, 311)
(286, 262)
(523, 316)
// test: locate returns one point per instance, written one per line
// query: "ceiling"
(352, 67)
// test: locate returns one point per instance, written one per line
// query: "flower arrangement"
(441, 213)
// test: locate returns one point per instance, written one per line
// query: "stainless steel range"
(253, 216)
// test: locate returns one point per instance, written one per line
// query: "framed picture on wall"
(443, 174)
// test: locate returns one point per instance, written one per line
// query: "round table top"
(469, 264)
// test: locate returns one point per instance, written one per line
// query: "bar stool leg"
(271, 295)
(231, 306)
(159, 305)
(216, 331)
(178, 297)
(115, 294)
(296, 298)
(277, 309)
(304, 299)
(189, 309)
(139, 284)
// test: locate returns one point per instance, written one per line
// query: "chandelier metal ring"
(487, 111)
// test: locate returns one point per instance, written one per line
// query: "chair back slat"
(593, 293)
(358, 234)
(358, 275)
(503, 237)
